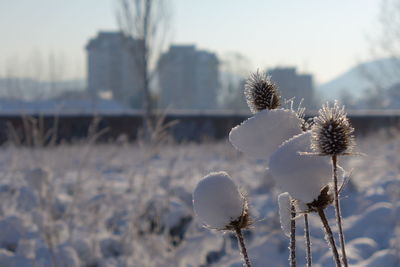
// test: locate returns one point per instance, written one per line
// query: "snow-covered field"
(129, 205)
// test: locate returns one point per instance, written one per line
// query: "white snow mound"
(262, 134)
(302, 176)
(217, 201)
(285, 215)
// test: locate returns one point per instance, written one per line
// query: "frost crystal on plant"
(218, 203)
(332, 133)
(261, 93)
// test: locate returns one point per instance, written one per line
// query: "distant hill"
(362, 77)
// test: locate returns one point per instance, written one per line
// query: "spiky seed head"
(261, 93)
(332, 133)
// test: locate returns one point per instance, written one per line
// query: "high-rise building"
(188, 78)
(294, 85)
(111, 67)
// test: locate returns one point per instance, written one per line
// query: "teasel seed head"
(332, 133)
(261, 93)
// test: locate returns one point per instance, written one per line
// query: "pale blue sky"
(322, 37)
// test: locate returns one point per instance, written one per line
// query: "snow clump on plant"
(285, 215)
(262, 134)
(218, 203)
(301, 175)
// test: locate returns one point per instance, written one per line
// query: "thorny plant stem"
(329, 236)
(308, 241)
(292, 258)
(338, 212)
(242, 245)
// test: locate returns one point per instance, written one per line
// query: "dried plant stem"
(329, 236)
(292, 247)
(338, 212)
(242, 245)
(308, 241)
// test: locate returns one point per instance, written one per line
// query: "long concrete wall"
(188, 127)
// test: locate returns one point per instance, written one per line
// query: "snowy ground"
(127, 205)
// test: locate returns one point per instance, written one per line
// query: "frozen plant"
(41, 180)
(262, 134)
(283, 139)
(333, 136)
(218, 203)
(332, 132)
(287, 214)
(325, 199)
(307, 178)
(261, 93)
(302, 177)
(279, 137)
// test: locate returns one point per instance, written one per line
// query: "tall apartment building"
(188, 78)
(111, 68)
(292, 84)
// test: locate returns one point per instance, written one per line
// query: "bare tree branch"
(145, 21)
